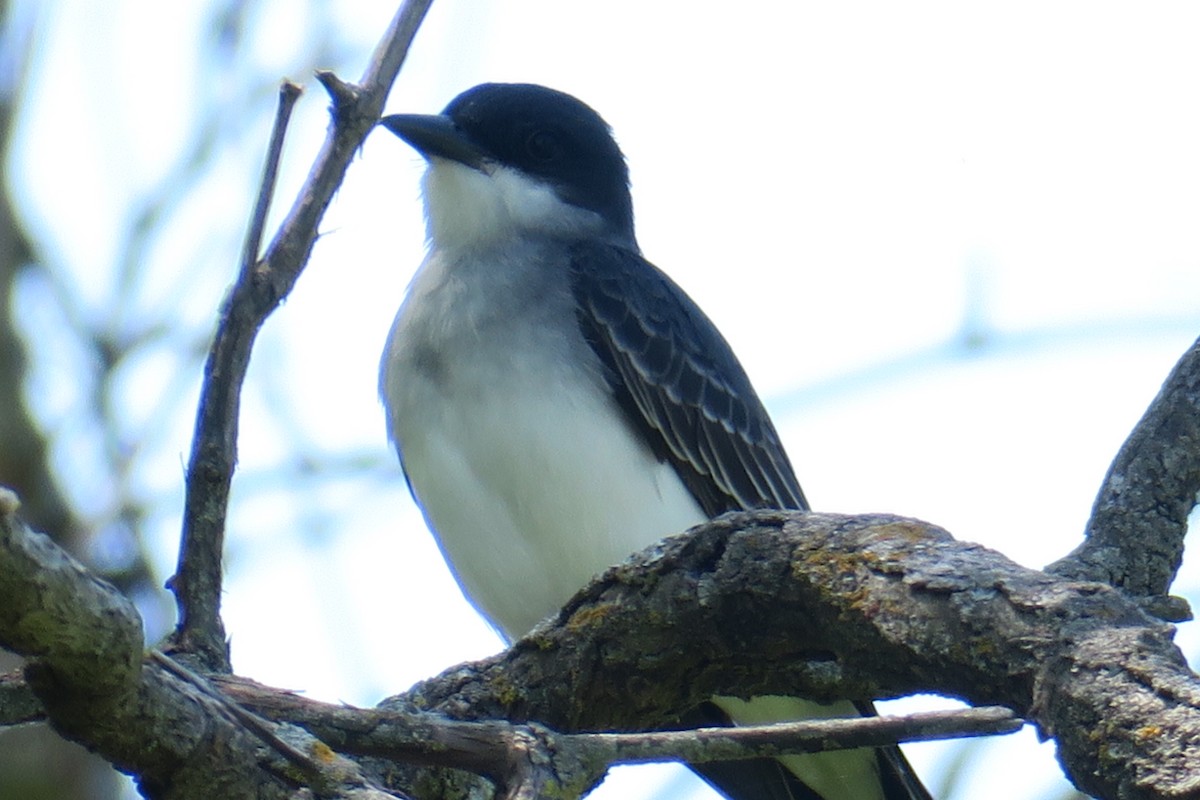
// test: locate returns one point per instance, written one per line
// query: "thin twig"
(539, 757)
(809, 736)
(487, 746)
(258, 290)
(289, 93)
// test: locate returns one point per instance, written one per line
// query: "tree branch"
(811, 736)
(197, 579)
(182, 739)
(86, 637)
(750, 604)
(753, 604)
(289, 93)
(1139, 521)
(491, 747)
(260, 287)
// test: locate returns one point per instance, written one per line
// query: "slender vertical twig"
(260, 287)
(289, 93)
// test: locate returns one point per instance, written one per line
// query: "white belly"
(534, 488)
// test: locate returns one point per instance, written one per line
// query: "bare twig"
(490, 746)
(258, 290)
(811, 736)
(289, 93)
(523, 760)
(197, 579)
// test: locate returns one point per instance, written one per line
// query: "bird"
(558, 403)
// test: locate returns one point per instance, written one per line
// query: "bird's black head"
(545, 134)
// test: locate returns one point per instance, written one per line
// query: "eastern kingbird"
(559, 403)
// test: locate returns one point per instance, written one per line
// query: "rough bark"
(770, 602)
(1136, 532)
(826, 606)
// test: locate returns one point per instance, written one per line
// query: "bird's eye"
(542, 145)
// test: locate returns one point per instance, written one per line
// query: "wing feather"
(679, 382)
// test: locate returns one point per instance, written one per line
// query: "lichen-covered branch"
(82, 639)
(763, 603)
(1139, 521)
(85, 635)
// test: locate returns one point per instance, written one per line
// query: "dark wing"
(679, 382)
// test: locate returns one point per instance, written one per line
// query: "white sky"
(846, 188)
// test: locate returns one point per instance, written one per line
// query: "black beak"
(434, 135)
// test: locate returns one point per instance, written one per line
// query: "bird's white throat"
(467, 207)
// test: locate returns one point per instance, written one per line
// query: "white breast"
(527, 473)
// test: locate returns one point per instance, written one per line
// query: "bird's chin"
(468, 207)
